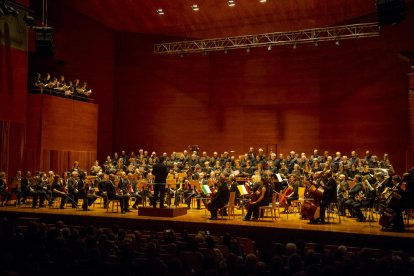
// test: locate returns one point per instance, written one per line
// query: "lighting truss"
(317, 35)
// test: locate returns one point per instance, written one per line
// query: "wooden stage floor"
(284, 229)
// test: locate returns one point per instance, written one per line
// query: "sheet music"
(242, 189)
(279, 178)
(206, 189)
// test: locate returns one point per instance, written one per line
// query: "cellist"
(262, 196)
(291, 192)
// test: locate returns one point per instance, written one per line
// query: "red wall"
(351, 96)
(13, 95)
(65, 131)
(83, 49)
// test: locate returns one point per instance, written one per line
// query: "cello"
(284, 195)
(311, 209)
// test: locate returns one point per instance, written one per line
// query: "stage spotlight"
(225, 51)
(294, 45)
(316, 43)
(231, 3)
(195, 7)
(337, 42)
(262, 1)
(248, 50)
(160, 11)
(269, 47)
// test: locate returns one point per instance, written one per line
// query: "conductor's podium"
(162, 212)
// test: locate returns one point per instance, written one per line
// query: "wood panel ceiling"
(216, 19)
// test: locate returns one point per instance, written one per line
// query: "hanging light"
(231, 3)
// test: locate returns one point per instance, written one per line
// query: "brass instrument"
(360, 196)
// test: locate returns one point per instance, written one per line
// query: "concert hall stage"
(285, 228)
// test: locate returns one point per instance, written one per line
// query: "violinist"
(221, 197)
(27, 186)
(3, 189)
(187, 191)
(199, 193)
(59, 190)
(16, 186)
(100, 183)
(262, 196)
(85, 192)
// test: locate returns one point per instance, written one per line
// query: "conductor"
(160, 172)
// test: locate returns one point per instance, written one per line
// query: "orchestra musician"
(221, 197)
(40, 190)
(133, 189)
(3, 189)
(361, 195)
(95, 169)
(73, 191)
(293, 183)
(86, 192)
(116, 194)
(47, 186)
(27, 186)
(329, 195)
(17, 186)
(262, 196)
(393, 201)
(342, 193)
(100, 184)
(189, 192)
(59, 190)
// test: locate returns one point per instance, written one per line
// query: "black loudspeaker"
(44, 42)
(390, 11)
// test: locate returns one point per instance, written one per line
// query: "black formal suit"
(73, 191)
(219, 199)
(111, 189)
(329, 196)
(3, 192)
(357, 188)
(160, 171)
(58, 190)
(88, 198)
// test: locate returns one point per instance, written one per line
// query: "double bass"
(311, 207)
